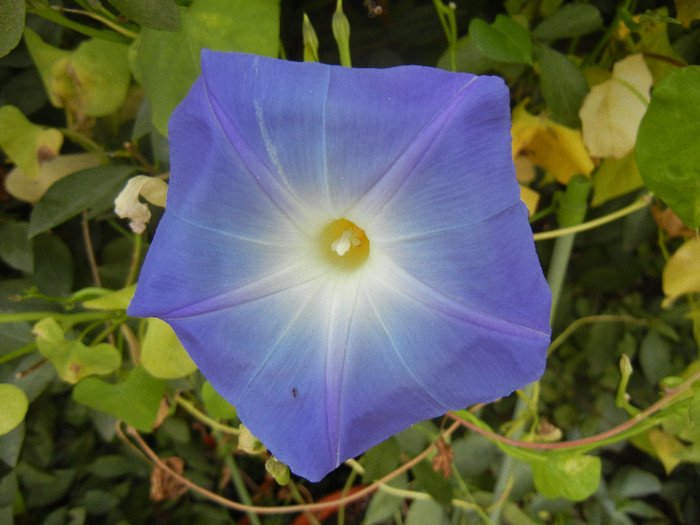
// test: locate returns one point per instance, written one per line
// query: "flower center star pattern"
(344, 252)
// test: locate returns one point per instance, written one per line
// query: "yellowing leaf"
(611, 112)
(687, 11)
(531, 198)
(665, 446)
(682, 272)
(20, 185)
(91, 81)
(127, 204)
(162, 354)
(27, 144)
(550, 146)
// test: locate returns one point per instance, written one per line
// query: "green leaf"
(14, 407)
(615, 177)
(15, 246)
(655, 357)
(383, 505)
(53, 266)
(135, 401)
(162, 354)
(118, 300)
(93, 188)
(504, 41)
(422, 512)
(11, 24)
(166, 64)
(563, 86)
(570, 21)
(381, 459)
(667, 148)
(631, 482)
(216, 405)
(434, 483)
(156, 14)
(25, 143)
(72, 359)
(568, 475)
(93, 80)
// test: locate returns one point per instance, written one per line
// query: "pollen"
(344, 244)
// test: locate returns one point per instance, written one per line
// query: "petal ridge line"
(386, 185)
(400, 357)
(433, 298)
(285, 201)
(253, 291)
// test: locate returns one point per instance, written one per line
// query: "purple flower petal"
(326, 352)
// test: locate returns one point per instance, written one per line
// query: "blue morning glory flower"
(344, 252)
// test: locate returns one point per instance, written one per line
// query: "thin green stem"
(241, 489)
(56, 17)
(189, 407)
(112, 25)
(642, 202)
(572, 211)
(71, 319)
(24, 350)
(294, 491)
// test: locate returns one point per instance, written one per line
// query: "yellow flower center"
(344, 244)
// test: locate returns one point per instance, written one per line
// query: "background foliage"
(606, 99)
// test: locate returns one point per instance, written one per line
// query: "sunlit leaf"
(162, 354)
(681, 274)
(216, 405)
(665, 446)
(72, 359)
(687, 11)
(615, 177)
(166, 63)
(531, 198)
(612, 111)
(118, 300)
(29, 189)
(135, 401)
(568, 475)
(27, 144)
(668, 152)
(14, 407)
(504, 41)
(92, 80)
(549, 145)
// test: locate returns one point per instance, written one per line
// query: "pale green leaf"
(216, 405)
(14, 407)
(118, 300)
(162, 354)
(615, 177)
(681, 274)
(27, 144)
(567, 475)
(72, 359)
(92, 80)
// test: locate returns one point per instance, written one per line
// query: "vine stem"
(589, 441)
(189, 407)
(572, 211)
(310, 507)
